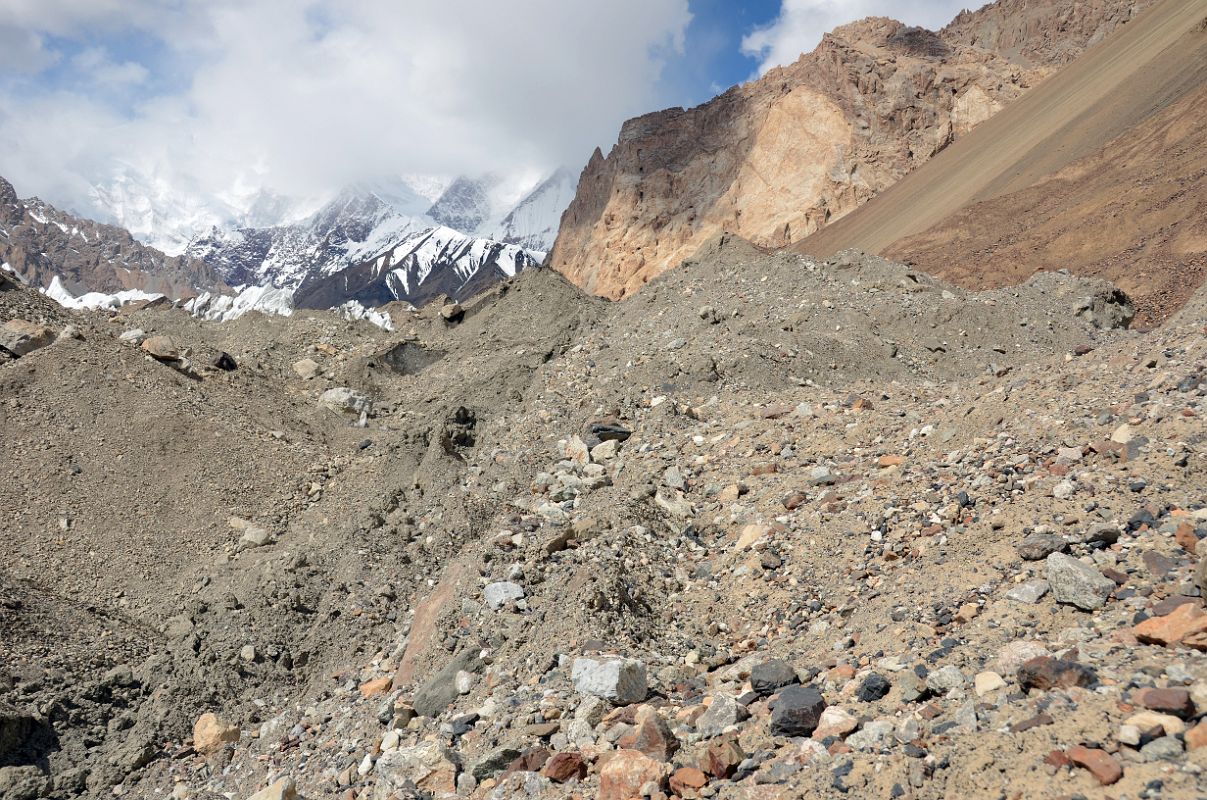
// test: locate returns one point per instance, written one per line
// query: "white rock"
(499, 594)
(619, 680)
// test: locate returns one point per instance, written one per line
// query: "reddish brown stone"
(1102, 766)
(1057, 758)
(375, 687)
(1034, 722)
(1177, 627)
(722, 758)
(626, 771)
(794, 501)
(650, 735)
(1169, 701)
(1196, 737)
(564, 767)
(1185, 537)
(530, 760)
(688, 781)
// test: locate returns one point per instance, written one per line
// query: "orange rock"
(1102, 765)
(211, 734)
(1187, 624)
(375, 687)
(688, 781)
(626, 772)
(1196, 737)
(890, 461)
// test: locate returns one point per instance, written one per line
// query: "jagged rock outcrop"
(39, 242)
(777, 159)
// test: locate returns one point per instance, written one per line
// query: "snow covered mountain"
(158, 213)
(362, 247)
(417, 269)
(533, 222)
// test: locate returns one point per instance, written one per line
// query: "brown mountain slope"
(1083, 173)
(777, 159)
(1134, 213)
(39, 242)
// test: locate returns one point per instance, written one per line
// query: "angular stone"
(1182, 624)
(1196, 737)
(1046, 673)
(161, 348)
(725, 711)
(1149, 721)
(986, 682)
(211, 733)
(429, 765)
(722, 758)
(494, 762)
(687, 782)
(281, 790)
(440, 690)
(769, 677)
(1038, 546)
(942, 681)
(501, 593)
(565, 766)
(1077, 583)
(626, 772)
(621, 681)
(835, 721)
(343, 400)
(650, 735)
(21, 337)
(797, 711)
(307, 369)
(1015, 654)
(1169, 701)
(1102, 765)
(873, 688)
(1030, 592)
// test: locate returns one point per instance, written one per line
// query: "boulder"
(797, 711)
(769, 677)
(429, 766)
(626, 772)
(21, 337)
(621, 681)
(343, 400)
(211, 733)
(1076, 583)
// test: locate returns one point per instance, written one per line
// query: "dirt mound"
(393, 563)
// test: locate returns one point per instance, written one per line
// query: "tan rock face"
(777, 159)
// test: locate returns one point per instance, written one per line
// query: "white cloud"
(801, 23)
(309, 96)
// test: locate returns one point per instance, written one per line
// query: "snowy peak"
(466, 204)
(419, 268)
(534, 222)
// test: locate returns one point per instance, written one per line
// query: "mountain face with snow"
(362, 247)
(41, 243)
(533, 222)
(404, 238)
(419, 268)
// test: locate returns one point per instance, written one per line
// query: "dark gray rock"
(770, 676)
(797, 711)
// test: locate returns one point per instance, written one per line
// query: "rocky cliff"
(39, 242)
(777, 159)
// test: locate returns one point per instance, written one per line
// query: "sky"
(205, 98)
